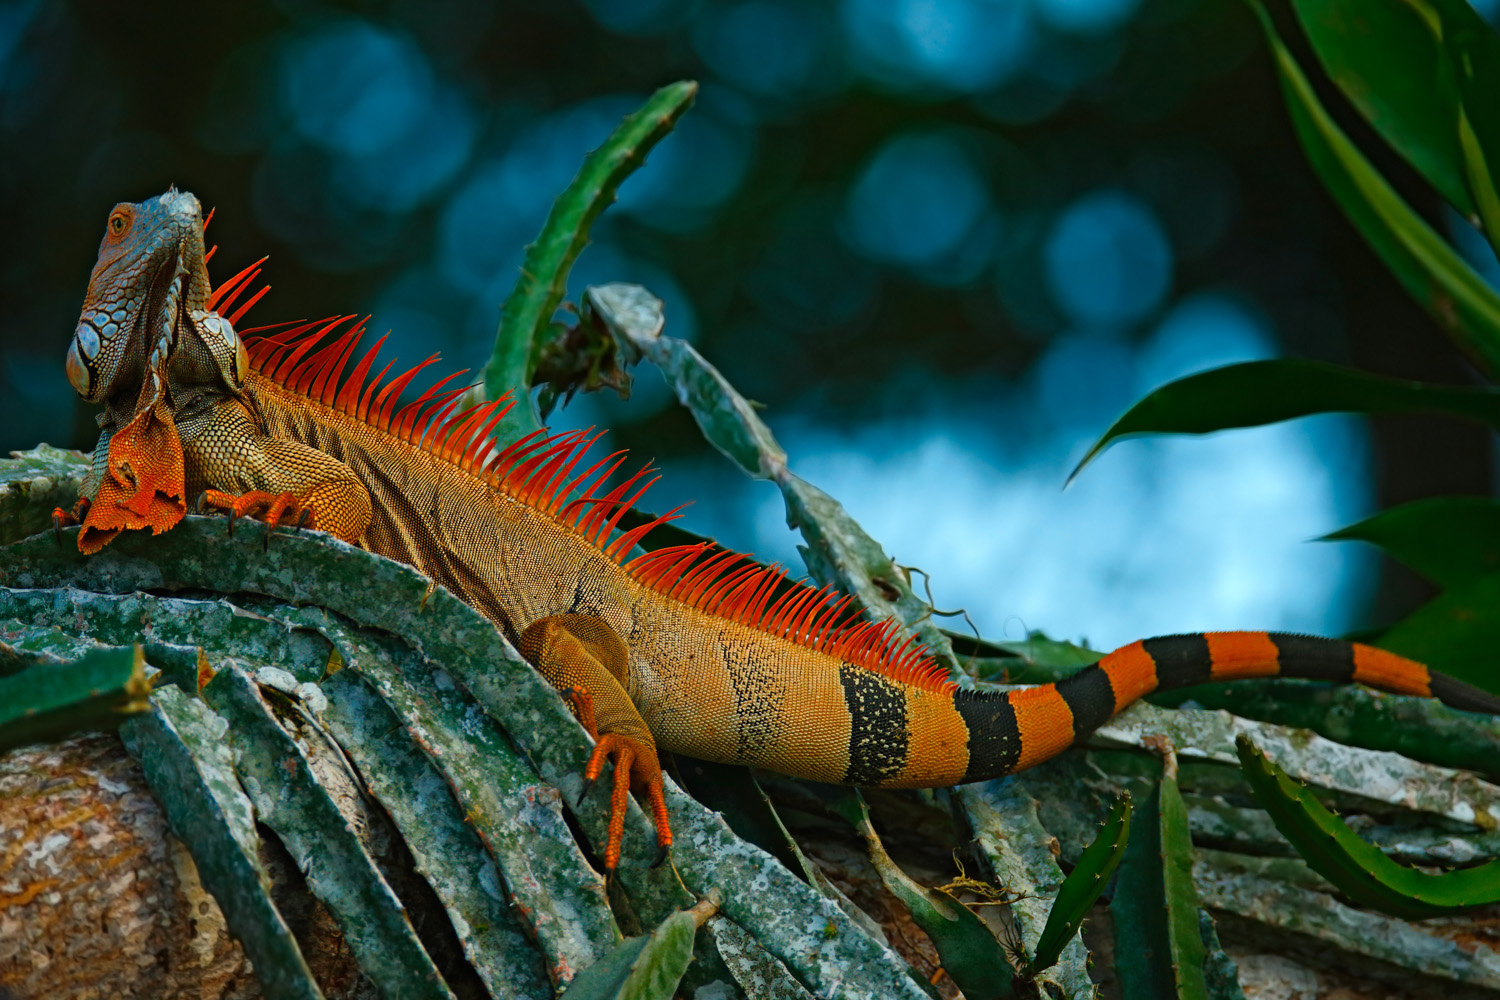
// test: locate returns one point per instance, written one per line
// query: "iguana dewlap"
(691, 649)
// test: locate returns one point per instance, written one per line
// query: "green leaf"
(642, 968)
(1159, 949)
(1357, 868)
(1473, 51)
(1388, 58)
(1452, 541)
(1186, 939)
(1264, 392)
(180, 746)
(838, 551)
(527, 314)
(1456, 632)
(33, 484)
(53, 697)
(1462, 303)
(1083, 886)
(970, 952)
(289, 798)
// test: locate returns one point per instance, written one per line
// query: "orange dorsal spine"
(539, 470)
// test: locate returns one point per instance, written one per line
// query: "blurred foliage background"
(945, 242)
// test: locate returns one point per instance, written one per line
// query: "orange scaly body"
(690, 648)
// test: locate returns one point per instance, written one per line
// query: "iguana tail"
(1014, 730)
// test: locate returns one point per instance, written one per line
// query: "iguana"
(688, 648)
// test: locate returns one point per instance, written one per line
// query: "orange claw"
(635, 766)
(268, 507)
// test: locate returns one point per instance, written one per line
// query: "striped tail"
(1017, 729)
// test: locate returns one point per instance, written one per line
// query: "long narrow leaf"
(1366, 47)
(1466, 307)
(1264, 392)
(1452, 541)
(527, 313)
(1084, 884)
(1360, 870)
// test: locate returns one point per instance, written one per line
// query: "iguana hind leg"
(585, 659)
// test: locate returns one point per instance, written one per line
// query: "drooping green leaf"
(1473, 51)
(838, 551)
(527, 314)
(1264, 392)
(1387, 57)
(1455, 632)
(181, 749)
(1083, 885)
(1360, 870)
(1186, 940)
(1461, 302)
(1450, 540)
(1159, 949)
(54, 697)
(969, 949)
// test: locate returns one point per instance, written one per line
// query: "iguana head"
(149, 275)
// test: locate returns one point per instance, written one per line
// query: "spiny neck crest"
(540, 470)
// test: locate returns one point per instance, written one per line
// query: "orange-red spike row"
(560, 486)
(391, 393)
(243, 277)
(325, 388)
(291, 367)
(455, 438)
(406, 417)
(471, 456)
(347, 401)
(211, 251)
(302, 378)
(613, 550)
(630, 539)
(239, 314)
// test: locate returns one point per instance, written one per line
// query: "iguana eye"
(119, 223)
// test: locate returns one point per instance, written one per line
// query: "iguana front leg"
(236, 468)
(585, 659)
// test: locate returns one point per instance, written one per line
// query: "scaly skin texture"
(699, 653)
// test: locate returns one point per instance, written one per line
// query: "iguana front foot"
(67, 518)
(268, 507)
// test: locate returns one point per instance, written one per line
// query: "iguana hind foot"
(586, 660)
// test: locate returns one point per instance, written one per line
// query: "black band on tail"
(1465, 697)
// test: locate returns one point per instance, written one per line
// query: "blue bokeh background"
(945, 242)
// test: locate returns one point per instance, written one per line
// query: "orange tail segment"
(1015, 730)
